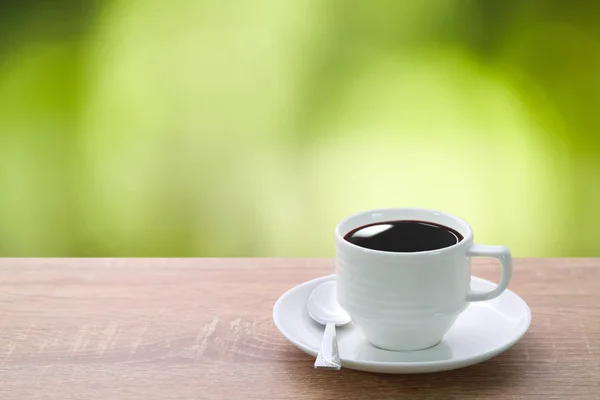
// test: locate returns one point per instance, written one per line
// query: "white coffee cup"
(408, 301)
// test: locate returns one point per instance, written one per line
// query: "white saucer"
(482, 331)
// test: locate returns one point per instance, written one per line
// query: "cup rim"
(467, 237)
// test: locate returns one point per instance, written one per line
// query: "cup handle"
(503, 255)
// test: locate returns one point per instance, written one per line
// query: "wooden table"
(202, 329)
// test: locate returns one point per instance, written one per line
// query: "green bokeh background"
(250, 128)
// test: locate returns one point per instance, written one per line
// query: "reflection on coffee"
(404, 236)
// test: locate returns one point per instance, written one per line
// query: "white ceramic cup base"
(420, 338)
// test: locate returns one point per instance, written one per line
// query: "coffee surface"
(404, 236)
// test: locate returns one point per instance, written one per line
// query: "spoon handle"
(329, 356)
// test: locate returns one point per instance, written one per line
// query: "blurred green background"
(250, 128)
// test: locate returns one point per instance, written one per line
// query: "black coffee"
(404, 236)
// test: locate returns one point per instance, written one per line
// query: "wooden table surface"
(202, 329)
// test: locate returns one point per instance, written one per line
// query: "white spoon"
(324, 308)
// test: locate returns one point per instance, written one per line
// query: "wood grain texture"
(202, 329)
